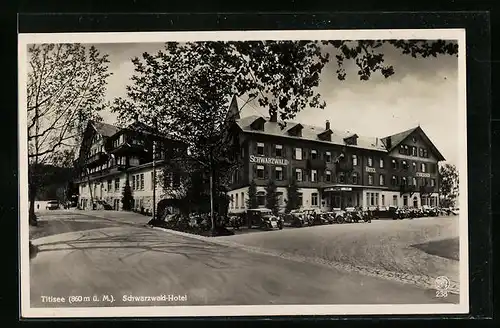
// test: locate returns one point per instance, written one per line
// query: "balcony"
(96, 159)
(129, 149)
(316, 164)
(407, 189)
(425, 190)
(343, 166)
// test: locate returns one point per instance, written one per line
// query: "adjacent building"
(109, 156)
(333, 169)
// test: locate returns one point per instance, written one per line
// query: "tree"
(252, 201)
(127, 197)
(272, 197)
(65, 89)
(448, 185)
(293, 201)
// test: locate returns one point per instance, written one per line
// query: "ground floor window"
(242, 200)
(372, 198)
(300, 199)
(383, 200)
(415, 202)
(405, 200)
(395, 200)
(424, 201)
(261, 198)
(314, 199)
(280, 198)
(237, 203)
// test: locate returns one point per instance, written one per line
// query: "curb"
(422, 281)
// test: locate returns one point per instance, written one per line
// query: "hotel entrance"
(341, 197)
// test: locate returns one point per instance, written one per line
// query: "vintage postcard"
(243, 173)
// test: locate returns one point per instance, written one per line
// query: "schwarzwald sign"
(268, 160)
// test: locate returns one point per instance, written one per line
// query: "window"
(341, 177)
(423, 167)
(314, 154)
(142, 181)
(133, 182)
(354, 160)
(395, 200)
(405, 165)
(426, 153)
(261, 198)
(405, 200)
(414, 151)
(414, 181)
(328, 176)
(260, 172)
(328, 157)
(394, 180)
(370, 179)
(381, 163)
(370, 161)
(433, 182)
(110, 185)
(314, 176)
(278, 150)
(314, 199)
(401, 149)
(232, 201)
(421, 152)
(383, 200)
(298, 154)
(280, 198)
(355, 178)
(381, 180)
(414, 167)
(242, 200)
(260, 148)
(237, 202)
(278, 173)
(404, 181)
(300, 200)
(298, 174)
(394, 164)
(407, 152)
(134, 161)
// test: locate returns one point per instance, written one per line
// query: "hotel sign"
(338, 189)
(370, 169)
(268, 160)
(423, 175)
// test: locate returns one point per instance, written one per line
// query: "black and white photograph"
(243, 173)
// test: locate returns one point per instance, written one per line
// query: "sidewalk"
(122, 217)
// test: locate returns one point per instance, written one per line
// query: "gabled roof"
(309, 132)
(105, 129)
(398, 138)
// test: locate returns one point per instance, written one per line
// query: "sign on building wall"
(423, 175)
(370, 169)
(268, 160)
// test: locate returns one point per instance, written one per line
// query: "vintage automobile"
(314, 217)
(52, 205)
(263, 218)
(337, 215)
(296, 218)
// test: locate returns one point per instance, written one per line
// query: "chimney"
(274, 116)
(389, 142)
(327, 125)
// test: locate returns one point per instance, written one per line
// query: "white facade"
(110, 189)
(312, 198)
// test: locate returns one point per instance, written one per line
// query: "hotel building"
(333, 169)
(110, 155)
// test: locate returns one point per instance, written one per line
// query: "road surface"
(118, 261)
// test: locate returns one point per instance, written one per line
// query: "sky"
(423, 91)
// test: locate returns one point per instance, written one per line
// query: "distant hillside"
(56, 182)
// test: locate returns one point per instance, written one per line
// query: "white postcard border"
(258, 310)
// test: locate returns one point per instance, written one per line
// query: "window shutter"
(255, 147)
(255, 170)
(293, 153)
(266, 171)
(283, 151)
(303, 154)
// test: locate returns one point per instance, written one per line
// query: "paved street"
(112, 254)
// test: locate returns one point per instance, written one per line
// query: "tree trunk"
(31, 197)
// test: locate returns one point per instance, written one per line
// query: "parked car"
(52, 205)
(296, 218)
(263, 218)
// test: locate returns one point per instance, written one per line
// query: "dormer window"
(351, 140)
(296, 130)
(326, 135)
(258, 124)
